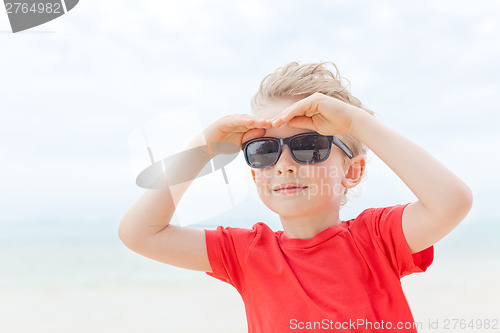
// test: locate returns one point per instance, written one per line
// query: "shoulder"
(257, 228)
(242, 235)
(381, 228)
(383, 212)
(377, 224)
(379, 215)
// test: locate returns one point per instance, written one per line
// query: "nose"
(286, 164)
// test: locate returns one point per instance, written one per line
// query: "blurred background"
(73, 91)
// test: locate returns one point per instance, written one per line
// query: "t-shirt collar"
(317, 239)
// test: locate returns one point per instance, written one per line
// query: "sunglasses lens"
(310, 148)
(262, 153)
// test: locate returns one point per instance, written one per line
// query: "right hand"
(234, 129)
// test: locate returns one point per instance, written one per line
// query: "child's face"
(323, 181)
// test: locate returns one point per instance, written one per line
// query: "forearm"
(153, 211)
(436, 187)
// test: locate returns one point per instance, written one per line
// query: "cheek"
(262, 175)
(327, 190)
(263, 181)
(321, 173)
(326, 181)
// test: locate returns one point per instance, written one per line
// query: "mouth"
(289, 189)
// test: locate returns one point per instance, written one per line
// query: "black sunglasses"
(308, 148)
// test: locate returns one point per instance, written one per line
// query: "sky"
(74, 90)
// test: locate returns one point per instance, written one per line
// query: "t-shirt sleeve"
(386, 229)
(227, 250)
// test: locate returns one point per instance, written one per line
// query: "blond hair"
(295, 82)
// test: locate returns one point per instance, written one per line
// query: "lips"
(289, 186)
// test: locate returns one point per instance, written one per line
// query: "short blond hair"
(295, 82)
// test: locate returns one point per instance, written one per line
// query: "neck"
(306, 227)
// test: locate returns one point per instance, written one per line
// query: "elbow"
(130, 242)
(125, 234)
(121, 234)
(467, 198)
(454, 205)
(131, 234)
(461, 203)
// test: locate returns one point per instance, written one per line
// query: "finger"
(254, 121)
(253, 134)
(308, 106)
(238, 123)
(297, 109)
(302, 122)
(250, 124)
(278, 119)
(235, 126)
(263, 123)
(243, 120)
(259, 121)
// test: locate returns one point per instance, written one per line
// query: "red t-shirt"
(346, 278)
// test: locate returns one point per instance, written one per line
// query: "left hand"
(319, 113)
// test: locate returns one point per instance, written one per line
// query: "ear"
(355, 171)
(253, 174)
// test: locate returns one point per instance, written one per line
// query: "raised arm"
(145, 228)
(443, 199)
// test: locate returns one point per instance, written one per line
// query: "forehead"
(273, 109)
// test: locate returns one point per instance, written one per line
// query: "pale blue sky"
(73, 89)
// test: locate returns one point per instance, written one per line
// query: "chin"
(292, 209)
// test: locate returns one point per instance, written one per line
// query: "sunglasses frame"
(286, 141)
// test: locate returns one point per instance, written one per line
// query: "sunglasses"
(306, 148)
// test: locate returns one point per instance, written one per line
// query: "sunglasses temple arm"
(343, 146)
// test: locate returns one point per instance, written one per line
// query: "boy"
(306, 148)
